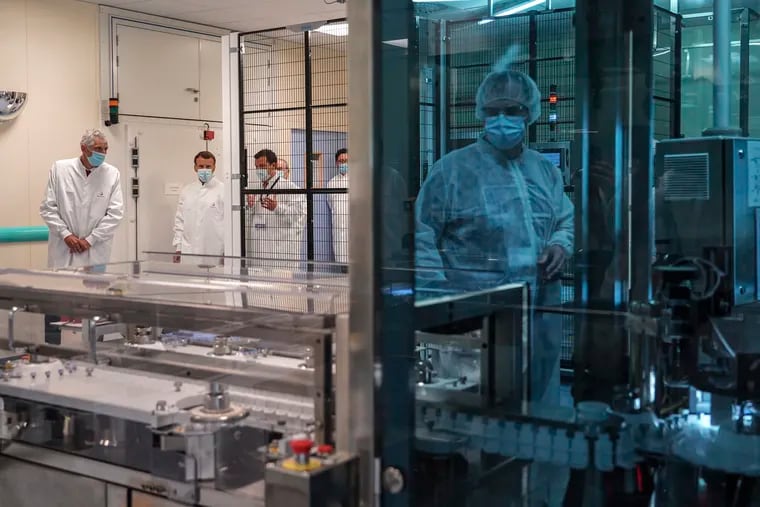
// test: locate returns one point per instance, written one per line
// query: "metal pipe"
(721, 64)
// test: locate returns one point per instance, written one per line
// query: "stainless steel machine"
(182, 384)
(213, 377)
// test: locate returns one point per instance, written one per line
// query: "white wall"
(51, 51)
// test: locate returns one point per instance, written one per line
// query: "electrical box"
(707, 205)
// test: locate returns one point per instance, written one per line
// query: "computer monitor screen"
(554, 157)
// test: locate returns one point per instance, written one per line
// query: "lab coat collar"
(81, 169)
(209, 184)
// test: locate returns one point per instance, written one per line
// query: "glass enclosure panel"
(231, 352)
(698, 71)
(573, 234)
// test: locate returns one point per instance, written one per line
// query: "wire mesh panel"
(663, 67)
(473, 51)
(294, 96)
(273, 80)
(430, 68)
(555, 70)
(328, 140)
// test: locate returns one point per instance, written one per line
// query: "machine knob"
(325, 450)
(301, 449)
(301, 446)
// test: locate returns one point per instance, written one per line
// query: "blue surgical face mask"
(205, 175)
(96, 159)
(262, 174)
(343, 168)
(505, 132)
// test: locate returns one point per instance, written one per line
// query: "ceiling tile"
(236, 15)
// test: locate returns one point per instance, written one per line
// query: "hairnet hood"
(504, 85)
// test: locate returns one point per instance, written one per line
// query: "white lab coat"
(199, 221)
(90, 207)
(277, 234)
(339, 204)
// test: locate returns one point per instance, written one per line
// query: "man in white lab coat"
(277, 221)
(82, 206)
(282, 165)
(199, 222)
(339, 207)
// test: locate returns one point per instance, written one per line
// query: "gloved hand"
(552, 261)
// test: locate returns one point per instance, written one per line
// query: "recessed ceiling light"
(336, 29)
(520, 8)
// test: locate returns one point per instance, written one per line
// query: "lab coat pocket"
(99, 204)
(217, 210)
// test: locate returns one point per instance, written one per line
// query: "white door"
(169, 84)
(166, 152)
(210, 80)
(159, 73)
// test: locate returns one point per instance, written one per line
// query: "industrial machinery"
(698, 332)
(224, 388)
(216, 378)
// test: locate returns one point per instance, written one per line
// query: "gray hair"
(89, 137)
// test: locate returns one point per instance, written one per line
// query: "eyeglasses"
(511, 110)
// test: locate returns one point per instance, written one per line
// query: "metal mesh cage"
(555, 66)
(473, 49)
(294, 96)
(430, 68)
(664, 60)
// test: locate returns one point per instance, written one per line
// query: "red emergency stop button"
(302, 446)
(325, 449)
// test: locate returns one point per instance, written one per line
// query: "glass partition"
(698, 72)
(193, 374)
(562, 228)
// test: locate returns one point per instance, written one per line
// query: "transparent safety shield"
(573, 206)
(188, 372)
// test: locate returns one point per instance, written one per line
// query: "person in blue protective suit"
(495, 212)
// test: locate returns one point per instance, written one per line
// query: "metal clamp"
(12, 326)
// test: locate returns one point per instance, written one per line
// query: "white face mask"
(262, 174)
